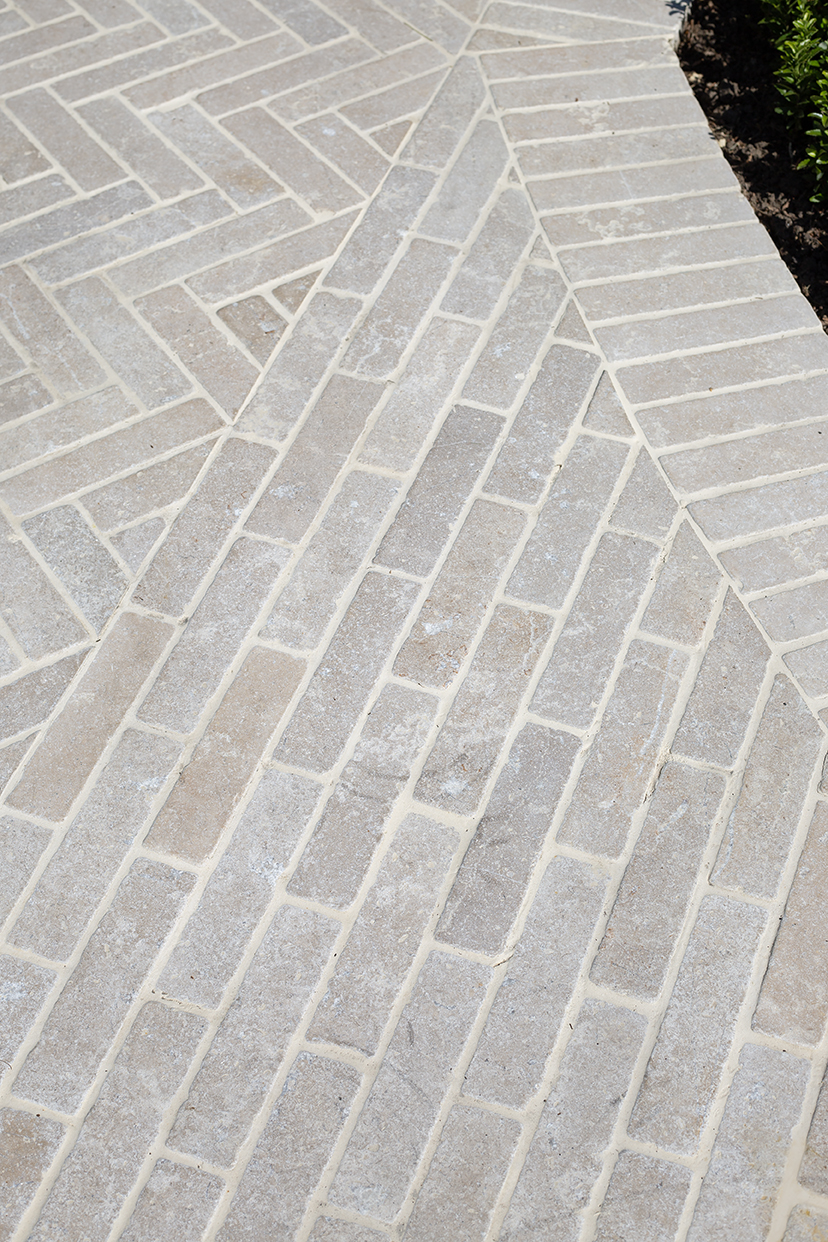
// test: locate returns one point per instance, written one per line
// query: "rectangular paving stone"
(623, 757)
(382, 1157)
(654, 80)
(516, 339)
(278, 78)
(567, 523)
(94, 1003)
(492, 258)
(401, 100)
(621, 115)
(718, 710)
(207, 791)
(392, 321)
(302, 361)
(38, 617)
(306, 473)
(630, 184)
(374, 23)
(173, 1189)
(576, 1125)
(307, 20)
(287, 1163)
(745, 1169)
(240, 889)
(460, 763)
(20, 158)
(523, 1024)
(145, 490)
(23, 395)
(451, 616)
(763, 822)
(98, 839)
(643, 1195)
(356, 654)
(52, 227)
(602, 611)
(214, 633)
(152, 160)
(808, 666)
(389, 928)
(95, 49)
(493, 877)
(344, 147)
(762, 508)
(23, 987)
(11, 362)
(468, 186)
(419, 395)
(279, 983)
(29, 1144)
(29, 700)
(796, 613)
(232, 170)
(56, 772)
(339, 852)
(686, 589)
(85, 161)
(47, 338)
(22, 845)
(813, 1172)
(615, 150)
(646, 505)
(448, 117)
(769, 562)
(104, 1163)
(435, 498)
(199, 532)
(86, 569)
(308, 602)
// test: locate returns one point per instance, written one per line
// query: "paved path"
(414, 636)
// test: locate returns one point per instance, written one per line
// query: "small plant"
(799, 31)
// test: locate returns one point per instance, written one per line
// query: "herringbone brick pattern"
(413, 624)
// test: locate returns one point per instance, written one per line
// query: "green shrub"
(799, 31)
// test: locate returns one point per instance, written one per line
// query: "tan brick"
(205, 69)
(717, 713)
(89, 573)
(388, 929)
(302, 361)
(806, 1224)
(576, 1125)
(193, 817)
(91, 851)
(458, 767)
(516, 339)
(645, 1196)
(174, 1190)
(435, 498)
(590, 189)
(142, 150)
(95, 1001)
(352, 662)
(21, 846)
(39, 618)
(23, 988)
(59, 767)
(152, 487)
(382, 1157)
(27, 1146)
(338, 854)
(746, 1166)
(279, 78)
(405, 99)
(295, 1147)
(687, 586)
(123, 1123)
(525, 1019)
(279, 983)
(448, 117)
(29, 700)
(602, 611)
(306, 605)
(47, 338)
(199, 533)
(86, 162)
(256, 324)
(320, 450)
(240, 889)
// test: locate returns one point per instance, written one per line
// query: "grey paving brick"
(152, 487)
(338, 854)
(302, 361)
(240, 17)
(576, 1125)
(88, 571)
(382, 1157)
(22, 846)
(492, 258)
(745, 1168)
(34, 195)
(381, 230)
(655, 80)
(525, 1019)
(246, 183)
(624, 756)
(23, 988)
(813, 1171)
(353, 660)
(389, 927)
(256, 324)
(39, 618)
(67, 221)
(327, 1229)
(20, 158)
(435, 498)
(808, 666)
(686, 589)
(11, 363)
(717, 713)
(153, 161)
(605, 414)
(568, 520)
(29, 700)
(762, 508)
(615, 150)
(29, 1144)
(374, 23)
(199, 532)
(402, 100)
(592, 189)
(757, 457)
(639, 256)
(85, 161)
(468, 186)
(305, 1123)
(240, 889)
(796, 613)
(207, 791)
(645, 1196)
(602, 611)
(137, 542)
(94, 50)
(278, 78)
(47, 338)
(124, 1120)
(646, 505)
(450, 114)
(174, 1189)
(344, 147)
(23, 395)
(805, 1224)
(292, 498)
(225, 1096)
(10, 757)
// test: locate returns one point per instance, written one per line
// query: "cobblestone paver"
(413, 636)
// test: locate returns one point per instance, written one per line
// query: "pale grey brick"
(492, 258)
(809, 667)
(39, 618)
(624, 185)
(645, 1198)
(65, 139)
(813, 1171)
(88, 571)
(27, 701)
(635, 256)
(388, 930)
(468, 186)
(497, 867)
(64, 427)
(35, 323)
(461, 761)
(382, 1156)
(762, 508)
(174, 1192)
(23, 989)
(68, 221)
(645, 505)
(605, 412)
(303, 72)
(739, 1190)
(525, 1019)
(233, 171)
(783, 558)
(805, 1224)
(151, 159)
(21, 846)
(327, 1229)
(177, 15)
(686, 589)
(135, 543)
(344, 147)
(226, 1094)
(577, 500)
(21, 396)
(797, 613)
(28, 1145)
(436, 496)
(761, 828)
(20, 158)
(445, 122)
(77, 875)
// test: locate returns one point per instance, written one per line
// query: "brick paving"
(413, 636)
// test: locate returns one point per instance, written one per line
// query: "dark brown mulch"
(730, 64)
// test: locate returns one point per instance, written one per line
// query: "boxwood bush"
(799, 31)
